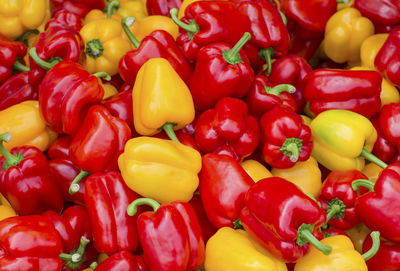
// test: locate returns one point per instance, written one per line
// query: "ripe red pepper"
(65, 95)
(120, 106)
(79, 7)
(223, 185)
(228, 129)
(304, 47)
(174, 224)
(66, 18)
(383, 148)
(162, 7)
(122, 260)
(387, 258)
(29, 243)
(285, 234)
(357, 91)
(207, 228)
(16, 89)
(25, 180)
(220, 71)
(389, 118)
(106, 198)
(285, 139)
(384, 12)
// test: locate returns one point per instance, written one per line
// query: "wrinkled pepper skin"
(17, 89)
(384, 12)
(162, 7)
(357, 91)
(10, 52)
(65, 95)
(387, 258)
(122, 260)
(228, 129)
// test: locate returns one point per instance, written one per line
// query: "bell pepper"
(39, 250)
(286, 235)
(135, 8)
(144, 27)
(78, 7)
(304, 47)
(370, 48)
(207, 22)
(387, 257)
(106, 199)
(207, 228)
(263, 96)
(66, 18)
(108, 12)
(122, 260)
(16, 90)
(345, 31)
(170, 235)
(228, 129)
(358, 234)
(285, 139)
(223, 185)
(162, 7)
(59, 149)
(16, 17)
(220, 71)
(383, 148)
(234, 250)
(6, 212)
(388, 57)
(161, 99)
(159, 44)
(342, 139)
(150, 166)
(386, 12)
(357, 91)
(255, 170)
(120, 106)
(65, 95)
(372, 171)
(342, 258)
(388, 126)
(117, 10)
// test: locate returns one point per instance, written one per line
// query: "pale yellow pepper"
(142, 28)
(372, 171)
(370, 48)
(256, 170)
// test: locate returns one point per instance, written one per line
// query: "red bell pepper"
(223, 185)
(383, 148)
(384, 12)
(228, 129)
(285, 234)
(220, 71)
(122, 260)
(387, 258)
(66, 18)
(162, 7)
(207, 228)
(184, 138)
(207, 22)
(159, 44)
(29, 243)
(16, 89)
(120, 106)
(263, 96)
(304, 47)
(59, 149)
(106, 198)
(79, 7)
(389, 118)
(357, 91)
(285, 139)
(25, 180)
(174, 224)
(65, 95)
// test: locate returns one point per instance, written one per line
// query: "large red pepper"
(79, 7)
(122, 260)
(282, 218)
(120, 106)
(16, 89)
(387, 258)
(106, 198)
(162, 7)
(228, 129)
(383, 148)
(223, 185)
(174, 224)
(383, 12)
(65, 95)
(389, 118)
(29, 243)
(357, 91)
(25, 180)
(67, 18)
(285, 138)
(220, 71)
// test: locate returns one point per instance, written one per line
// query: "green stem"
(237, 224)
(112, 8)
(292, 148)
(376, 242)
(76, 258)
(314, 199)
(41, 63)
(335, 209)
(20, 67)
(277, 90)
(304, 235)
(94, 48)
(74, 186)
(102, 75)
(10, 159)
(356, 184)
(342, 1)
(127, 22)
(284, 19)
(372, 158)
(308, 112)
(23, 37)
(132, 208)
(266, 54)
(192, 28)
(93, 265)
(232, 56)
(169, 130)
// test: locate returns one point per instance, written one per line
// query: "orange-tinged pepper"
(307, 120)
(6, 212)
(370, 48)
(256, 170)
(358, 235)
(142, 28)
(372, 171)
(109, 90)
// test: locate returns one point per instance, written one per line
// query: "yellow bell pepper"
(6, 212)
(161, 100)
(372, 171)
(109, 90)
(256, 170)
(142, 28)
(26, 125)
(345, 31)
(18, 16)
(306, 119)
(97, 14)
(306, 175)
(163, 170)
(185, 3)
(104, 45)
(370, 48)
(234, 250)
(358, 235)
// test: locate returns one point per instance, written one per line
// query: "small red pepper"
(387, 258)
(122, 260)
(162, 7)
(17, 89)
(79, 7)
(383, 12)
(67, 18)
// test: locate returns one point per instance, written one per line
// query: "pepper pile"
(171, 135)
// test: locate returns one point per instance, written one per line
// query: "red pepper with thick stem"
(383, 148)
(29, 243)
(25, 180)
(285, 139)
(16, 90)
(389, 118)
(387, 258)
(175, 224)
(67, 18)
(357, 91)
(223, 185)
(162, 7)
(122, 260)
(285, 234)
(79, 7)
(221, 71)
(383, 12)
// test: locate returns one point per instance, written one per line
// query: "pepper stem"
(11, 160)
(342, 1)
(376, 242)
(41, 63)
(232, 56)
(372, 158)
(77, 257)
(93, 265)
(292, 148)
(74, 186)
(112, 8)
(127, 22)
(356, 184)
(266, 54)
(132, 208)
(20, 67)
(23, 37)
(335, 209)
(102, 75)
(277, 90)
(169, 130)
(284, 19)
(304, 236)
(237, 224)
(192, 28)
(94, 48)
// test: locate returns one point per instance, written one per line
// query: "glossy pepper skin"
(106, 199)
(39, 249)
(16, 89)
(10, 52)
(160, 7)
(281, 233)
(221, 71)
(78, 7)
(66, 18)
(170, 236)
(122, 260)
(386, 12)
(228, 129)
(120, 106)
(387, 258)
(383, 148)
(223, 185)
(65, 94)
(357, 91)
(388, 119)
